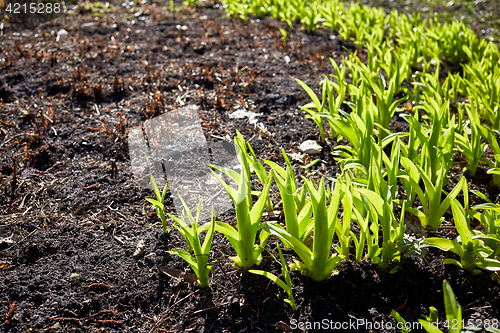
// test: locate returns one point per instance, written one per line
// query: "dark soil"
(72, 216)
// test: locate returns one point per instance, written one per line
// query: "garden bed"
(72, 216)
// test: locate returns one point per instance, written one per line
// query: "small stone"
(310, 147)
(297, 157)
(283, 327)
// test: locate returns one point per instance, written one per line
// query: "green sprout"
(433, 209)
(158, 204)
(470, 247)
(453, 313)
(283, 35)
(470, 145)
(317, 264)
(248, 216)
(199, 262)
(314, 115)
(299, 226)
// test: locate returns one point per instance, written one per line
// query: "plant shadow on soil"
(72, 215)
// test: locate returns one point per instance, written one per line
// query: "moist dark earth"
(72, 215)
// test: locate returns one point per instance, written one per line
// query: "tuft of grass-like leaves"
(248, 215)
(469, 246)
(159, 203)
(198, 261)
(297, 210)
(318, 263)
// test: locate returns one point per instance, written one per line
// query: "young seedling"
(415, 132)
(470, 144)
(248, 216)
(310, 17)
(483, 85)
(158, 204)
(358, 132)
(286, 285)
(453, 313)
(433, 209)
(261, 173)
(334, 103)
(376, 175)
(372, 213)
(470, 247)
(299, 226)
(343, 229)
(437, 139)
(490, 220)
(332, 13)
(386, 106)
(199, 262)
(299, 195)
(402, 323)
(315, 115)
(318, 110)
(283, 35)
(317, 264)
(454, 320)
(491, 137)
